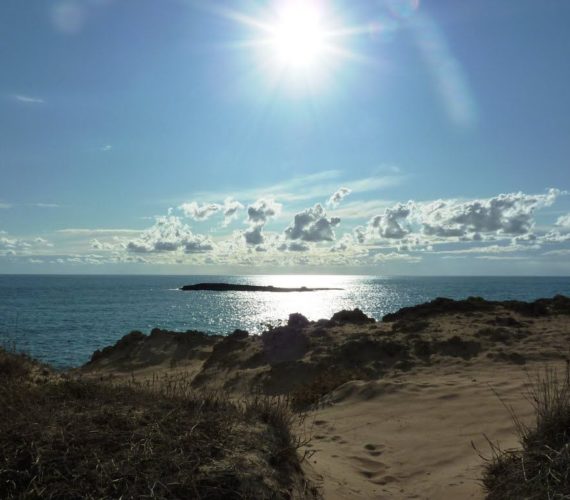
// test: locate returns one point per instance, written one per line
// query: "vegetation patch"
(541, 468)
(84, 439)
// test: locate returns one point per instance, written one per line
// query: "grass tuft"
(541, 468)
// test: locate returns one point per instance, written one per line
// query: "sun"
(299, 42)
(298, 37)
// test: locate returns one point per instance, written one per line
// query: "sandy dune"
(400, 403)
(411, 436)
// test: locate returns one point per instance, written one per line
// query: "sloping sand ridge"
(396, 406)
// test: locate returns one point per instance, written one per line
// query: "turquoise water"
(63, 319)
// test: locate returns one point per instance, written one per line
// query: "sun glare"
(298, 41)
(298, 38)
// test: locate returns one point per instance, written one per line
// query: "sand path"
(410, 437)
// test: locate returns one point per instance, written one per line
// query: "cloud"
(46, 205)
(564, 252)
(312, 225)
(393, 223)
(262, 210)
(295, 247)
(489, 249)
(554, 237)
(338, 196)
(563, 221)
(106, 147)
(505, 214)
(199, 212)
(95, 244)
(394, 256)
(258, 214)
(502, 225)
(361, 209)
(347, 244)
(198, 245)
(253, 235)
(169, 234)
(360, 233)
(98, 232)
(313, 186)
(26, 99)
(231, 208)
(11, 246)
(37, 205)
(501, 257)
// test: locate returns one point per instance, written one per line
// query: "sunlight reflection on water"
(63, 319)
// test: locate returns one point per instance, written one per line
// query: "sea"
(63, 319)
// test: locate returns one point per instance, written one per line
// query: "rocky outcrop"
(230, 287)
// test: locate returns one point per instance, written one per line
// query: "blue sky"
(152, 136)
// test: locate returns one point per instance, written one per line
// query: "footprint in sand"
(374, 450)
(385, 480)
(369, 468)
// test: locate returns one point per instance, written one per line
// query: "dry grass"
(541, 469)
(85, 439)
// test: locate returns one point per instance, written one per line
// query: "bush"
(541, 468)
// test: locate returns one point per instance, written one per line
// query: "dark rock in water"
(355, 316)
(229, 287)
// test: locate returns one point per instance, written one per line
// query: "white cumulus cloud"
(312, 225)
(169, 234)
(199, 212)
(231, 208)
(563, 221)
(505, 214)
(258, 214)
(338, 196)
(393, 224)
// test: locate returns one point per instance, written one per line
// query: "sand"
(413, 437)
(416, 400)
